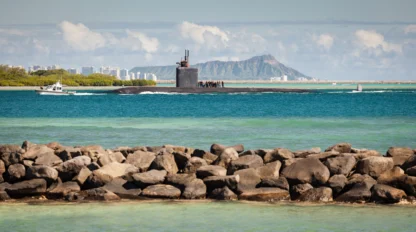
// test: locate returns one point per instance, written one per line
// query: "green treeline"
(19, 77)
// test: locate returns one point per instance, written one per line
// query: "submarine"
(187, 82)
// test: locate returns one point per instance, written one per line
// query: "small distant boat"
(55, 89)
(334, 83)
(359, 88)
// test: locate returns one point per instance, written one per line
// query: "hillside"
(255, 68)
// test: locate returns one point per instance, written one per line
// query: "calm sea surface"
(203, 216)
(375, 118)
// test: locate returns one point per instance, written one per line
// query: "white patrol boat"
(55, 89)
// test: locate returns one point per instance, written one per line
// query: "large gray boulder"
(48, 159)
(151, 177)
(249, 179)
(36, 151)
(2, 170)
(162, 191)
(297, 190)
(213, 182)
(322, 194)
(62, 189)
(244, 162)
(193, 164)
(116, 169)
(141, 159)
(337, 183)
(225, 158)
(123, 188)
(196, 189)
(274, 182)
(16, 172)
(217, 149)
(207, 156)
(48, 173)
(360, 192)
(82, 176)
(322, 156)
(27, 188)
(269, 170)
(308, 170)
(410, 162)
(279, 154)
(391, 177)
(408, 184)
(340, 147)
(69, 169)
(180, 180)
(305, 153)
(166, 162)
(399, 154)
(67, 153)
(387, 194)
(223, 193)
(340, 165)
(210, 170)
(364, 153)
(181, 159)
(265, 194)
(358, 178)
(11, 154)
(99, 194)
(374, 165)
(411, 171)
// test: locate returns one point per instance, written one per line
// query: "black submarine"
(187, 82)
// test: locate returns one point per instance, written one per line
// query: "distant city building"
(35, 68)
(87, 71)
(53, 67)
(132, 76)
(110, 71)
(284, 78)
(72, 70)
(124, 74)
(152, 76)
(138, 75)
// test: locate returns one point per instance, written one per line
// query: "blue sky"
(336, 40)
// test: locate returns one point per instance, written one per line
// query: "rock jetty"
(340, 173)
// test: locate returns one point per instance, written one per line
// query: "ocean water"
(205, 216)
(375, 119)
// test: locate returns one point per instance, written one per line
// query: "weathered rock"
(270, 170)
(195, 189)
(193, 164)
(69, 169)
(63, 189)
(308, 170)
(399, 154)
(4, 196)
(408, 184)
(324, 155)
(2, 170)
(207, 156)
(248, 152)
(297, 190)
(166, 162)
(96, 180)
(244, 162)
(387, 194)
(162, 191)
(4, 185)
(125, 151)
(289, 162)
(115, 169)
(27, 144)
(225, 158)
(411, 171)
(123, 188)
(337, 183)
(217, 149)
(181, 159)
(93, 166)
(151, 177)
(92, 150)
(358, 178)
(340, 147)
(360, 192)
(104, 159)
(180, 180)
(28, 163)
(362, 154)
(99, 194)
(391, 177)
(82, 176)
(37, 151)
(265, 194)
(322, 194)
(11, 154)
(117, 157)
(305, 153)
(210, 170)
(48, 173)
(67, 153)
(410, 162)
(16, 172)
(54, 145)
(213, 182)
(340, 165)
(279, 154)
(27, 188)
(374, 165)
(48, 159)
(223, 194)
(275, 182)
(249, 179)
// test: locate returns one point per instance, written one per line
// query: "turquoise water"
(203, 216)
(349, 86)
(373, 119)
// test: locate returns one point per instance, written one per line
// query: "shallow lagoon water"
(205, 216)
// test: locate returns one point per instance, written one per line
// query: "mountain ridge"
(261, 67)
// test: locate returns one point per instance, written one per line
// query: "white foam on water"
(163, 93)
(88, 94)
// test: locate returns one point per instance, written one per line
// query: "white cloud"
(13, 32)
(146, 43)
(210, 36)
(80, 37)
(324, 40)
(373, 40)
(410, 29)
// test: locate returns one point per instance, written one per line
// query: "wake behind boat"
(55, 89)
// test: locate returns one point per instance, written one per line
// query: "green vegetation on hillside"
(18, 77)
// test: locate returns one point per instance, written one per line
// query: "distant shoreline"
(298, 82)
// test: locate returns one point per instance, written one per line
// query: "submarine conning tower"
(186, 77)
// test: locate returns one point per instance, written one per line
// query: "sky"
(329, 40)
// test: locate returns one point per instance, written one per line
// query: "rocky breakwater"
(340, 173)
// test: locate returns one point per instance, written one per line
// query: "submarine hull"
(138, 90)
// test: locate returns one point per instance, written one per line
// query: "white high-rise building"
(72, 70)
(87, 71)
(124, 74)
(110, 71)
(284, 78)
(53, 67)
(132, 76)
(138, 75)
(152, 76)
